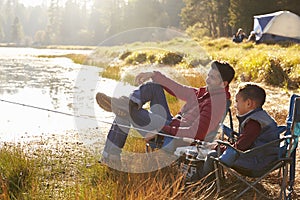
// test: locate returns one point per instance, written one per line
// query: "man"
(201, 114)
(239, 36)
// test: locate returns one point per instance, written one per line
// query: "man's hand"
(142, 77)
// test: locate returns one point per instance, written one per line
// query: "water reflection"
(53, 83)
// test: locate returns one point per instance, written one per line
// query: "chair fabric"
(286, 161)
(171, 143)
(294, 122)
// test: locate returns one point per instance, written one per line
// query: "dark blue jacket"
(269, 132)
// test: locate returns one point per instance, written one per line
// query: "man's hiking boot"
(119, 106)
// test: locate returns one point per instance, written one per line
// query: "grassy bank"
(275, 65)
(63, 169)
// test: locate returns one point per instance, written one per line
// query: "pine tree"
(54, 22)
(17, 31)
(211, 15)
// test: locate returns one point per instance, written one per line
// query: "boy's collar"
(254, 110)
(245, 113)
(241, 118)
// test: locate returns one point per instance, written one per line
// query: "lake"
(34, 89)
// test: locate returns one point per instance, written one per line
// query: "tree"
(116, 17)
(2, 35)
(7, 19)
(54, 22)
(145, 13)
(191, 13)
(172, 8)
(70, 23)
(290, 5)
(209, 15)
(17, 31)
(40, 37)
(99, 20)
(242, 12)
(222, 17)
(37, 20)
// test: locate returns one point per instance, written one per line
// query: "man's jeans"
(141, 119)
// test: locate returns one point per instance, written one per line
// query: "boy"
(256, 128)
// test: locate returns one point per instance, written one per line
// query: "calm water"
(49, 83)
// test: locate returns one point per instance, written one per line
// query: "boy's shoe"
(119, 106)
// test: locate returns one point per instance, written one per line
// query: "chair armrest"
(281, 129)
(269, 144)
(230, 133)
(256, 149)
(228, 145)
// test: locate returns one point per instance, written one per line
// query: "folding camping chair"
(158, 141)
(287, 144)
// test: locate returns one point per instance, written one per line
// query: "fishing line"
(94, 118)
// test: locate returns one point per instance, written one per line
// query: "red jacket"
(202, 111)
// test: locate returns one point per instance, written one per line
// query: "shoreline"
(63, 47)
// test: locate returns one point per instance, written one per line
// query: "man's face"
(214, 79)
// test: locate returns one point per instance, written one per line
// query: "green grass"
(17, 173)
(276, 65)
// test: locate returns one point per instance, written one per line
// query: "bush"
(136, 58)
(124, 55)
(151, 58)
(170, 58)
(112, 72)
(274, 74)
(141, 57)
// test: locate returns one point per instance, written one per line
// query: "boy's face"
(214, 79)
(242, 106)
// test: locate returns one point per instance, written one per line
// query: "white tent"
(277, 26)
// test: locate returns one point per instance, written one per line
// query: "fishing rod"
(93, 118)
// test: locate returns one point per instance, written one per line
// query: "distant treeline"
(89, 22)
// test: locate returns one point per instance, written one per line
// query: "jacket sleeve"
(196, 130)
(248, 135)
(180, 91)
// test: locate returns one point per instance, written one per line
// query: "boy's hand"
(142, 77)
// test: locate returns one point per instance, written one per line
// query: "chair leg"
(250, 185)
(284, 182)
(148, 148)
(247, 183)
(217, 173)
